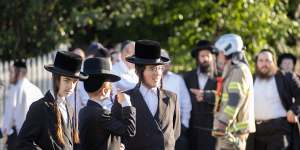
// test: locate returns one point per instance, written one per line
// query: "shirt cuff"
(127, 101)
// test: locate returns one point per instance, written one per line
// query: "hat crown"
(68, 61)
(147, 49)
(97, 65)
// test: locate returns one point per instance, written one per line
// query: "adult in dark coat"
(48, 123)
(157, 110)
(202, 84)
(287, 63)
(100, 126)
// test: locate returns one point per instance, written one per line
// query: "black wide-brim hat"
(202, 45)
(100, 67)
(99, 70)
(67, 64)
(147, 52)
(286, 56)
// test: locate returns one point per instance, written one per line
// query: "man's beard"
(266, 75)
(204, 67)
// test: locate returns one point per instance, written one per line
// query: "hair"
(273, 66)
(266, 50)
(58, 125)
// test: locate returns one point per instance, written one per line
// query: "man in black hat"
(49, 122)
(102, 122)
(157, 110)
(287, 62)
(202, 84)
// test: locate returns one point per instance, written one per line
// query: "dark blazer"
(202, 112)
(159, 132)
(101, 129)
(38, 130)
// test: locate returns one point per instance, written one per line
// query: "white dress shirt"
(151, 98)
(174, 83)
(26, 94)
(267, 102)
(129, 79)
(9, 109)
(202, 79)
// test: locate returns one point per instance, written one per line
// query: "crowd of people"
(130, 100)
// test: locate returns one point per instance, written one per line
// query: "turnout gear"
(235, 116)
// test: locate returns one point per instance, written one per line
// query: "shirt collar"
(145, 90)
(106, 103)
(59, 99)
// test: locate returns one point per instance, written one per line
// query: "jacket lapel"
(162, 105)
(194, 80)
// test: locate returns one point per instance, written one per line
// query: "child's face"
(66, 86)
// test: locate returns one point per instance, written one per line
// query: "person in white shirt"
(275, 111)
(157, 110)
(124, 69)
(175, 83)
(21, 95)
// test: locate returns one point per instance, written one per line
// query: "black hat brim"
(142, 61)
(197, 49)
(107, 77)
(55, 70)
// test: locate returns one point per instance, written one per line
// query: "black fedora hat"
(101, 67)
(67, 64)
(202, 45)
(99, 71)
(286, 56)
(147, 52)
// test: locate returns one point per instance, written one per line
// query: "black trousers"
(273, 134)
(12, 140)
(182, 142)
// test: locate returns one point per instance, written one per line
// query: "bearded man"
(276, 103)
(202, 84)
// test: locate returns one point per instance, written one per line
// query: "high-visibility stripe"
(240, 126)
(229, 110)
(234, 86)
(224, 97)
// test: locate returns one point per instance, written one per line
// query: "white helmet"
(229, 44)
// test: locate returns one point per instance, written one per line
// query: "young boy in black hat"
(157, 110)
(49, 123)
(103, 121)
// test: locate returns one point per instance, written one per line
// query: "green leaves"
(36, 27)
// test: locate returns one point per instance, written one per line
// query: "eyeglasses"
(155, 68)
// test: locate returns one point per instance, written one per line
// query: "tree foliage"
(33, 27)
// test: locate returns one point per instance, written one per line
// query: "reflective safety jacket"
(236, 105)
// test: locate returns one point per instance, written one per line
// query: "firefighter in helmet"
(234, 116)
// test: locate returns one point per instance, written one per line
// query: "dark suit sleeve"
(124, 126)
(176, 119)
(294, 84)
(31, 128)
